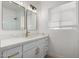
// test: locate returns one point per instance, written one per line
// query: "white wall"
(62, 43)
(0, 15)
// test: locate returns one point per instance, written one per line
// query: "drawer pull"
(37, 51)
(13, 55)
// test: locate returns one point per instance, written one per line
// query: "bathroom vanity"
(30, 47)
(21, 45)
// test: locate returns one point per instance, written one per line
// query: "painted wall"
(0, 15)
(62, 43)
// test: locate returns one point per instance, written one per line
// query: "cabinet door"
(43, 47)
(13, 53)
(41, 52)
(28, 46)
(29, 50)
(0, 55)
(31, 53)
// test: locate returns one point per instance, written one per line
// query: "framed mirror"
(31, 21)
(13, 16)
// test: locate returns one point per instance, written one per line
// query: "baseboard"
(55, 56)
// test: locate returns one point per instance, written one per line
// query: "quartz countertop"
(19, 40)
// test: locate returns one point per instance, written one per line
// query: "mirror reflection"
(31, 21)
(13, 16)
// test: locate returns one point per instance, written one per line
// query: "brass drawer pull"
(13, 55)
(37, 51)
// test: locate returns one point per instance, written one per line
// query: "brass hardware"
(37, 51)
(13, 55)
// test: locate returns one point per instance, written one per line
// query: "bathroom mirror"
(31, 21)
(13, 16)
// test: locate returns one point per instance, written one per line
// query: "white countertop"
(19, 40)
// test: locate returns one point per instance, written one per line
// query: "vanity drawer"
(13, 52)
(28, 46)
(0, 54)
(30, 53)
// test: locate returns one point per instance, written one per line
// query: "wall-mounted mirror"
(13, 16)
(31, 21)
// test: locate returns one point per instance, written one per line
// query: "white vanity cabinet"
(29, 50)
(0, 54)
(42, 47)
(13, 53)
(31, 53)
(35, 48)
